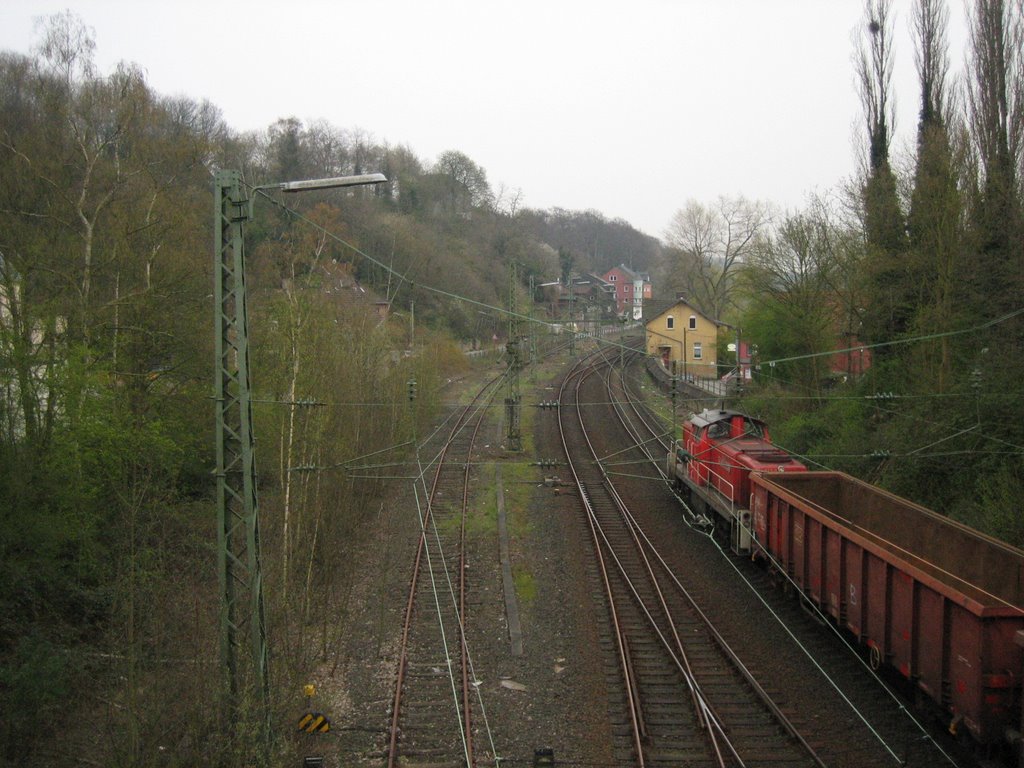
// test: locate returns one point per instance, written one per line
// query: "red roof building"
(631, 288)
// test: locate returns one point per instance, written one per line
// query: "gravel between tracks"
(555, 694)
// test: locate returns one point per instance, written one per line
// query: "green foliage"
(526, 586)
(890, 280)
(35, 684)
(997, 509)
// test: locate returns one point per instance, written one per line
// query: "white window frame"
(670, 322)
(698, 350)
(693, 322)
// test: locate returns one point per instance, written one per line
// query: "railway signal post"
(513, 400)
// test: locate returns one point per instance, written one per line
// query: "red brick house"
(631, 289)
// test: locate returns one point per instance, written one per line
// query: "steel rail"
(707, 718)
(631, 695)
(465, 723)
(730, 653)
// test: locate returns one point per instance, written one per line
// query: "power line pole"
(515, 364)
(242, 616)
(572, 321)
(533, 327)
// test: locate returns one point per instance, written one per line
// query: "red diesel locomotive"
(711, 467)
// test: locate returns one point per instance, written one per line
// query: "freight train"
(938, 602)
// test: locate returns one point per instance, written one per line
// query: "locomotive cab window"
(718, 430)
(753, 429)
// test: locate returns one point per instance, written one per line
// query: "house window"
(629, 288)
(670, 323)
(612, 278)
(698, 353)
(693, 322)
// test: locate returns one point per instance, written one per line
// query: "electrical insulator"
(412, 389)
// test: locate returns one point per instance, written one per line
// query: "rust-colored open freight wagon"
(938, 601)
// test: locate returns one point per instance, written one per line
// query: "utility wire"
(896, 342)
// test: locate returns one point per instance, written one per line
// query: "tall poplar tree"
(995, 100)
(934, 221)
(888, 314)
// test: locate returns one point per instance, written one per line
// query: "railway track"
(686, 699)
(888, 734)
(435, 710)
(676, 694)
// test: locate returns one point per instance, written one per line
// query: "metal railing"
(716, 479)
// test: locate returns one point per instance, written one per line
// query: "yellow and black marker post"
(312, 722)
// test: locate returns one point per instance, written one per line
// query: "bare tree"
(930, 25)
(874, 73)
(794, 281)
(995, 92)
(465, 183)
(710, 242)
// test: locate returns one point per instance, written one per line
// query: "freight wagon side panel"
(1000, 684)
(816, 565)
(796, 549)
(835, 575)
(856, 600)
(966, 667)
(985, 672)
(917, 613)
(876, 594)
(931, 650)
(902, 630)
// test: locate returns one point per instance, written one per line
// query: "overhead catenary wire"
(879, 403)
(391, 271)
(529, 318)
(440, 621)
(821, 669)
(462, 630)
(504, 311)
(897, 342)
(810, 656)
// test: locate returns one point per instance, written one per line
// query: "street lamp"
(309, 185)
(331, 183)
(238, 539)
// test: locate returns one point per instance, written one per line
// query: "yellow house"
(685, 340)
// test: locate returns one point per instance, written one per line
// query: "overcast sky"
(630, 108)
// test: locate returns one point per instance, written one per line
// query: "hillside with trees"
(108, 593)
(108, 585)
